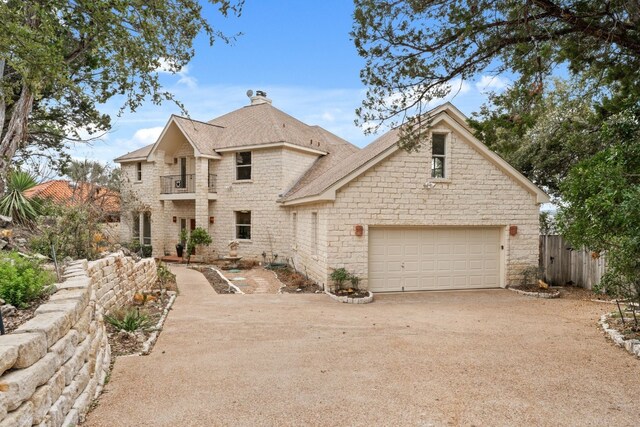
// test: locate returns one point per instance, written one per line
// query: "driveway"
(450, 358)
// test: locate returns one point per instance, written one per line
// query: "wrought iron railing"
(180, 184)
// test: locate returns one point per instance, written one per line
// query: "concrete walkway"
(437, 358)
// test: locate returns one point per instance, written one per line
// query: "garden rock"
(8, 310)
(3, 244)
(5, 221)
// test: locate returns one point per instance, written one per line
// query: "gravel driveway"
(450, 358)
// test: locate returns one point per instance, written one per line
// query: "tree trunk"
(16, 132)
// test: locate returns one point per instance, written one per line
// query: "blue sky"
(299, 52)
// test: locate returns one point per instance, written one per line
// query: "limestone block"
(66, 346)
(21, 383)
(78, 359)
(3, 405)
(73, 390)
(42, 401)
(54, 325)
(56, 384)
(66, 294)
(56, 414)
(71, 419)
(73, 307)
(21, 417)
(82, 325)
(31, 347)
(74, 283)
(8, 357)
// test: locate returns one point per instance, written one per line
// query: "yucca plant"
(130, 320)
(14, 203)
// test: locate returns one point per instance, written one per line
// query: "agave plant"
(14, 203)
(130, 320)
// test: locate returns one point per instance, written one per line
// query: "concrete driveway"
(450, 358)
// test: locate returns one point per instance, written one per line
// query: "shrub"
(22, 280)
(339, 276)
(130, 320)
(147, 250)
(14, 203)
(198, 236)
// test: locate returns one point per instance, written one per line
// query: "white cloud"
(146, 136)
(167, 67)
(488, 84)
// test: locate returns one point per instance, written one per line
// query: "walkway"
(444, 358)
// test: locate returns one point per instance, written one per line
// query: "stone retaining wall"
(53, 366)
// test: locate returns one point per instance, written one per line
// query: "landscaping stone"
(22, 383)
(8, 357)
(22, 417)
(54, 325)
(31, 347)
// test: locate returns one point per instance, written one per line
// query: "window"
(438, 156)
(314, 232)
(294, 224)
(135, 227)
(139, 171)
(243, 225)
(243, 165)
(146, 228)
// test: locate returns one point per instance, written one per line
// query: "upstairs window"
(139, 171)
(438, 155)
(243, 165)
(243, 225)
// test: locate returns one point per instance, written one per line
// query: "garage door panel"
(433, 258)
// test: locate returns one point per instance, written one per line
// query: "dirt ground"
(492, 358)
(257, 280)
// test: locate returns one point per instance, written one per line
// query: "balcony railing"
(181, 184)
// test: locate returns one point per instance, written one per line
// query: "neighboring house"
(454, 215)
(105, 202)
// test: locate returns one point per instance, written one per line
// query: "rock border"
(348, 300)
(632, 346)
(150, 342)
(542, 295)
(231, 285)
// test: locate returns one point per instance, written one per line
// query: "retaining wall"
(54, 365)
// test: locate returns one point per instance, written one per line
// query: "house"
(453, 215)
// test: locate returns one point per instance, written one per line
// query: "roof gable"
(326, 184)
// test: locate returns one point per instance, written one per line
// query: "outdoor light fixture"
(359, 230)
(212, 220)
(175, 219)
(513, 230)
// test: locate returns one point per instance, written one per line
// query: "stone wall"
(54, 365)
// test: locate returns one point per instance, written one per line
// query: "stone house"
(453, 215)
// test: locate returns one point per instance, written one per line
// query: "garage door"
(413, 259)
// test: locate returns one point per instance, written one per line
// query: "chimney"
(260, 98)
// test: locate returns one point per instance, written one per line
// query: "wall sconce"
(513, 230)
(359, 230)
(175, 219)
(212, 220)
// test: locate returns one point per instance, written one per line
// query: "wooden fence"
(562, 264)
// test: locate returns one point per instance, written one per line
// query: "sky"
(299, 52)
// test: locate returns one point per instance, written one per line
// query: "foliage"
(545, 135)
(199, 236)
(130, 320)
(147, 250)
(14, 203)
(530, 274)
(93, 172)
(73, 231)
(601, 204)
(164, 274)
(22, 280)
(417, 51)
(60, 60)
(548, 224)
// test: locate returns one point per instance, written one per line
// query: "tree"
(60, 59)
(415, 49)
(543, 135)
(601, 205)
(91, 171)
(198, 236)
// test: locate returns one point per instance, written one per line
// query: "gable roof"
(136, 155)
(70, 194)
(323, 187)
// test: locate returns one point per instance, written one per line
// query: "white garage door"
(412, 259)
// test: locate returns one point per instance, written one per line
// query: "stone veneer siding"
(392, 193)
(54, 365)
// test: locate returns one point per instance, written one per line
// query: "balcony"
(176, 187)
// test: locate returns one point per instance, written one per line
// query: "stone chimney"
(260, 98)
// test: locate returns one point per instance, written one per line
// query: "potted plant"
(180, 245)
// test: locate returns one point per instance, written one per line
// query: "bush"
(147, 250)
(130, 320)
(22, 280)
(339, 276)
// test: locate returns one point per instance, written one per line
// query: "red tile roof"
(72, 193)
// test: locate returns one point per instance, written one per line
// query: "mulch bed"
(216, 282)
(125, 343)
(296, 283)
(351, 293)
(627, 330)
(534, 288)
(20, 315)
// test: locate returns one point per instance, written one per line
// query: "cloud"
(167, 67)
(488, 84)
(146, 136)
